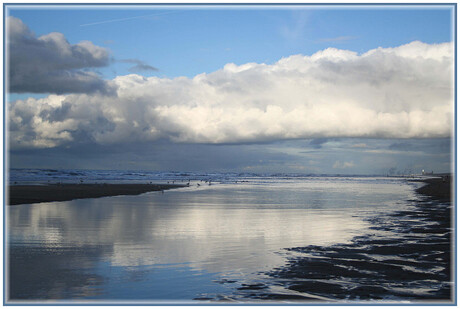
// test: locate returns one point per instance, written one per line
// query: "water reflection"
(179, 244)
(54, 273)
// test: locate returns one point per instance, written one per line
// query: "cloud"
(50, 64)
(337, 39)
(158, 155)
(392, 152)
(401, 92)
(343, 165)
(128, 18)
(276, 157)
(426, 146)
(318, 142)
(298, 26)
(140, 66)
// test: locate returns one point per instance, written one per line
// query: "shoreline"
(416, 247)
(30, 194)
(436, 188)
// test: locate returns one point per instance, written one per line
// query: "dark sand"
(410, 261)
(437, 188)
(28, 194)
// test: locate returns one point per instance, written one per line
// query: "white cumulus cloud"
(400, 92)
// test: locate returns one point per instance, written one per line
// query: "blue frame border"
(364, 303)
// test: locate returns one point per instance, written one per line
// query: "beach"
(309, 239)
(437, 188)
(29, 194)
(406, 250)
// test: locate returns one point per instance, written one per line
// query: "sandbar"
(28, 194)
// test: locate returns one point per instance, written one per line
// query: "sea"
(229, 237)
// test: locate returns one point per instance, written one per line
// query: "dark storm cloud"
(50, 64)
(160, 155)
(317, 142)
(340, 157)
(139, 66)
(398, 147)
(423, 145)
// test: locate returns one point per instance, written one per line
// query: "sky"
(278, 89)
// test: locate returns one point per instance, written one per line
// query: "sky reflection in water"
(181, 244)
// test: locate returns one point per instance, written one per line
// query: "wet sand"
(437, 188)
(28, 194)
(407, 258)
